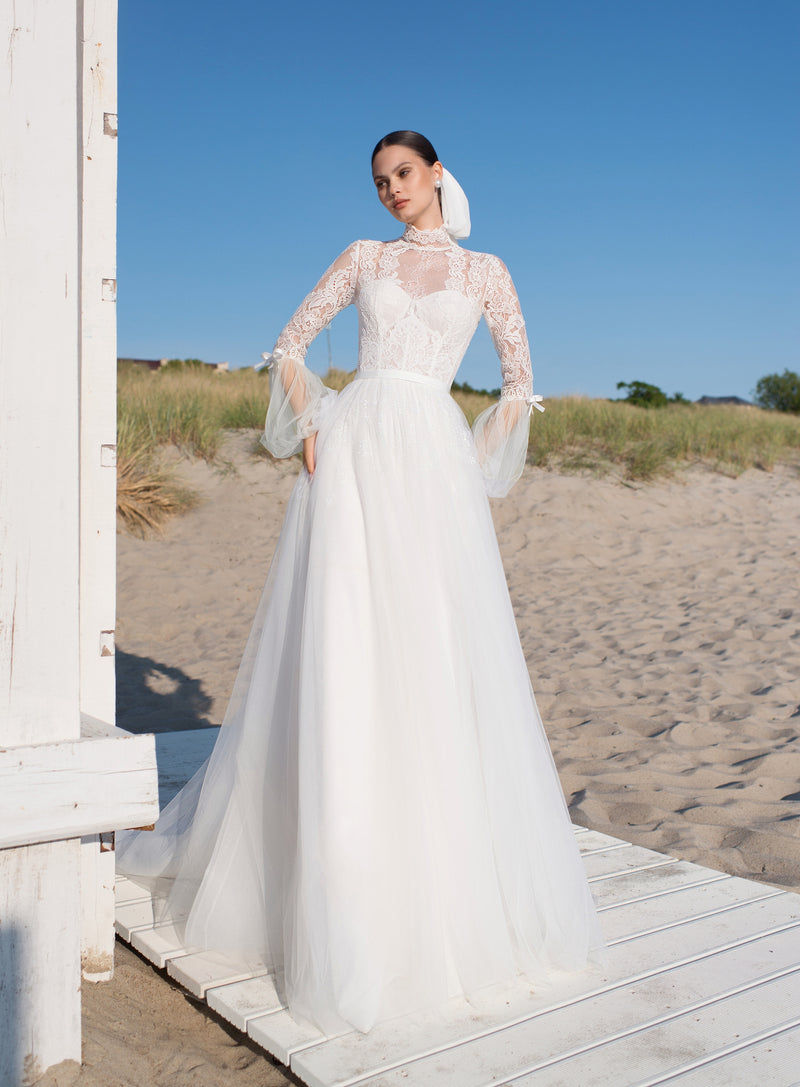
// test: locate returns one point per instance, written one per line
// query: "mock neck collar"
(438, 238)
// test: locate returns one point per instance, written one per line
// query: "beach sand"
(661, 625)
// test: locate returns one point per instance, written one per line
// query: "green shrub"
(779, 392)
(643, 395)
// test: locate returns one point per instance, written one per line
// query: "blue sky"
(635, 163)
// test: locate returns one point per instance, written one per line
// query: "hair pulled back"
(413, 140)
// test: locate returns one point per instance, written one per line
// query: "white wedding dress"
(381, 821)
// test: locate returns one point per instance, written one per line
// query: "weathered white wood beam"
(39, 508)
(98, 355)
(40, 1011)
(63, 790)
(97, 917)
(57, 374)
(97, 175)
(39, 286)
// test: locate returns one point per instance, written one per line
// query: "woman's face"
(406, 186)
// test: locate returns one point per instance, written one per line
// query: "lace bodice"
(419, 300)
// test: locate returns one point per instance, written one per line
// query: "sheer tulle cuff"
(501, 441)
(297, 401)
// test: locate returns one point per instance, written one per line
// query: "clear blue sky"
(635, 163)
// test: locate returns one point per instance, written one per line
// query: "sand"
(141, 1030)
(661, 625)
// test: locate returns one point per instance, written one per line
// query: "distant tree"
(779, 392)
(465, 387)
(643, 395)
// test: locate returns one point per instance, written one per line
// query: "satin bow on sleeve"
(534, 401)
(268, 359)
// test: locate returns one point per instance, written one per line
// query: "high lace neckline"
(437, 238)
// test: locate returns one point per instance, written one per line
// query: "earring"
(437, 184)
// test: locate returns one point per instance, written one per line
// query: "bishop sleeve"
(297, 397)
(501, 431)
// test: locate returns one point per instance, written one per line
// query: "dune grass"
(192, 409)
(148, 493)
(641, 444)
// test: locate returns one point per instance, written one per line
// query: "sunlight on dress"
(381, 820)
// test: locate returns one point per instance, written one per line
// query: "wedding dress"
(381, 821)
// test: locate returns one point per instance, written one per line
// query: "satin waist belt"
(404, 375)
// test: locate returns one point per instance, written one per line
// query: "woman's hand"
(309, 453)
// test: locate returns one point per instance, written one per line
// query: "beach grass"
(192, 410)
(603, 436)
(148, 492)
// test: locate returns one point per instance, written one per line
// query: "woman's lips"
(399, 204)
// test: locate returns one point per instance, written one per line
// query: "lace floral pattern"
(419, 299)
(331, 295)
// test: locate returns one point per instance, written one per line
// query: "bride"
(381, 821)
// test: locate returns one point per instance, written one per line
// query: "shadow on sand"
(155, 697)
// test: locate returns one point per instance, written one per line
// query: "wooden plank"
(628, 920)
(135, 917)
(592, 841)
(610, 863)
(283, 1036)
(160, 944)
(53, 791)
(646, 1027)
(648, 883)
(39, 373)
(657, 1050)
(98, 369)
(771, 1062)
(640, 960)
(97, 911)
(685, 942)
(245, 1000)
(40, 1015)
(127, 891)
(204, 969)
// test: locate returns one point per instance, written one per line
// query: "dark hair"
(424, 148)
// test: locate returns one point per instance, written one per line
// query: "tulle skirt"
(380, 821)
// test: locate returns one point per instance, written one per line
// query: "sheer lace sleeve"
(297, 396)
(501, 432)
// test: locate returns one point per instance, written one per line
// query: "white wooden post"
(39, 884)
(97, 33)
(64, 773)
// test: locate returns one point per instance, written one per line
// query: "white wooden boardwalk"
(701, 987)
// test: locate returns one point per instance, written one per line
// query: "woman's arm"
(501, 432)
(296, 393)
